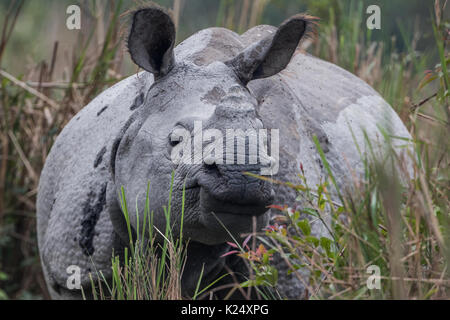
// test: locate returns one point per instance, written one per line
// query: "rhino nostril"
(211, 166)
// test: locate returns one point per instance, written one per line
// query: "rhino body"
(114, 141)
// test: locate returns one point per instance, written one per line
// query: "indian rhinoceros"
(124, 138)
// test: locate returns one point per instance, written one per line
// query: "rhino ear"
(273, 53)
(151, 40)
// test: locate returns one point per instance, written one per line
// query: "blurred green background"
(43, 22)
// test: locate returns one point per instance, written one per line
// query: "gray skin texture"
(122, 138)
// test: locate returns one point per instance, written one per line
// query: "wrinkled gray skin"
(255, 80)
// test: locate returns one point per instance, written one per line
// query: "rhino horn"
(273, 53)
(152, 39)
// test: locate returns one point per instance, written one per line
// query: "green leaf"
(296, 215)
(310, 211)
(248, 283)
(304, 226)
(312, 240)
(321, 203)
(325, 243)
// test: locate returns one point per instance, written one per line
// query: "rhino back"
(312, 97)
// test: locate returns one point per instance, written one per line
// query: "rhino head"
(182, 127)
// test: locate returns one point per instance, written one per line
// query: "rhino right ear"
(272, 54)
(152, 39)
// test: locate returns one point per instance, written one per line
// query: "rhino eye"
(179, 134)
(173, 143)
(174, 139)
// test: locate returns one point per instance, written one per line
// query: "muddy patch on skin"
(99, 157)
(213, 96)
(92, 209)
(116, 143)
(102, 110)
(138, 101)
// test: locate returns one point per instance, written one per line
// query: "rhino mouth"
(220, 219)
(209, 203)
(215, 219)
(225, 206)
(252, 205)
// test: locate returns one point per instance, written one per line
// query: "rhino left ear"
(273, 53)
(152, 39)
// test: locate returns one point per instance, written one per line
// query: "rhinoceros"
(124, 138)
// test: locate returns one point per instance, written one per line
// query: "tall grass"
(388, 219)
(151, 267)
(31, 115)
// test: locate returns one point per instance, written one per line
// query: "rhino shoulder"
(72, 194)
